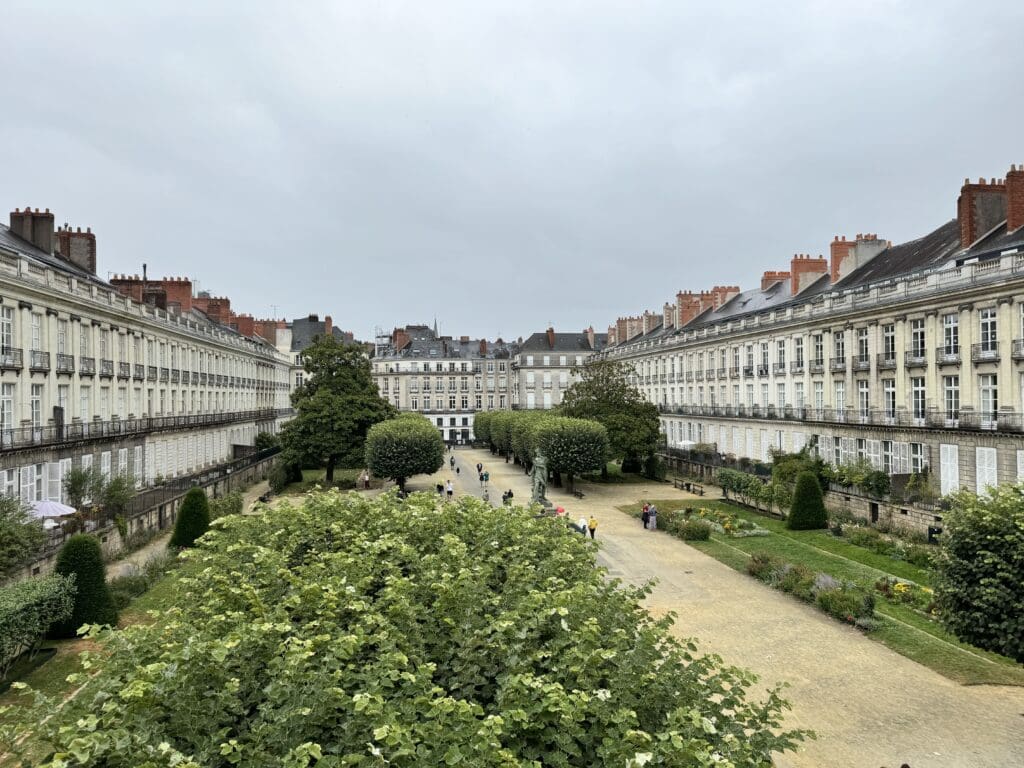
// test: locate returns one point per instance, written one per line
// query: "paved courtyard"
(870, 706)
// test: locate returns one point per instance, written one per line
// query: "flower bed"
(907, 592)
(726, 523)
(842, 600)
(882, 544)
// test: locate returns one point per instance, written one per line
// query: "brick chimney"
(723, 293)
(668, 315)
(1015, 198)
(244, 324)
(35, 227)
(551, 338)
(328, 326)
(590, 336)
(483, 346)
(769, 279)
(847, 255)
(979, 208)
(687, 307)
(179, 293)
(805, 270)
(612, 340)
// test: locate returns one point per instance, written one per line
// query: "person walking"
(449, 489)
(486, 497)
(481, 476)
(440, 489)
(458, 470)
(487, 478)
(582, 526)
(652, 514)
(451, 462)
(479, 467)
(645, 515)
(592, 526)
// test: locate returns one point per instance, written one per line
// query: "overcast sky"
(500, 166)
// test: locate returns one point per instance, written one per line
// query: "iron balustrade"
(138, 372)
(734, 373)
(124, 370)
(39, 361)
(817, 366)
(861, 363)
(948, 355)
(779, 368)
(886, 361)
(915, 358)
(65, 363)
(984, 353)
(11, 359)
(165, 375)
(837, 365)
(107, 368)
(86, 366)
(1018, 349)
(797, 366)
(175, 376)
(151, 373)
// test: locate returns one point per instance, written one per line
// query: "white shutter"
(28, 484)
(137, 466)
(985, 469)
(750, 443)
(949, 468)
(150, 462)
(903, 460)
(122, 462)
(764, 445)
(105, 465)
(65, 467)
(53, 481)
(875, 453)
(1020, 465)
(799, 441)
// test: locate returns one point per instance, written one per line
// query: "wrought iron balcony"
(10, 359)
(39, 361)
(734, 372)
(107, 368)
(762, 370)
(861, 363)
(797, 366)
(710, 374)
(175, 378)
(817, 366)
(948, 355)
(779, 368)
(698, 375)
(65, 363)
(124, 370)
(886, 361)
(1018, 349)
(915, 358)
(86, 366)
(151, 373)
(165, 375)
(138, 372)
(837, 365)
(985, 353)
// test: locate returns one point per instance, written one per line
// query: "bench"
(686, 485)
(698, 489)
(578, 494)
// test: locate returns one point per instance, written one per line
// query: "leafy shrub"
(193, 519)
(765, 567)
(435, 633)
(133, 584)
(21, 537)
(230, 504)
(27, 609)
(797, 579)
(82, 558)
(654, 468)
(843, 604)
(404, 446)
(808, 509)
(284, 472)
(266, 440)
(695, 530)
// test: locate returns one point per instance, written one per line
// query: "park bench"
(578, 494)
(686, 485)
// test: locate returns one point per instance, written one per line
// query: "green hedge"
(193, 519)
(808, 510)
(27, 610)
(82, 558)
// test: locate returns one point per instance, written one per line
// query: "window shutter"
(985, 469)
(28, 484)
(949, 466)
(53, 481)
(1020, 465)
(65, 467)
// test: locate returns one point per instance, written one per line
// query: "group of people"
(649, 516)
(445, 489)
(584, 525)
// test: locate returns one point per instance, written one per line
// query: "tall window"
(863, 399)
(989, 391)
(62, 337)
(780, 399)
(764, 353)
(798, 351)
(819, 348)
(988, 329)
(917, 339)
(917, 457)
(6, 407)
(889, 342)
(781, 352)
(951, 397)
(917, 396)
(840, 398)
(6, 329)
(839, 344)
(950, 334)
(889, 397)
(798, 394)
(37, 332)
(862, 345)
(819, 395)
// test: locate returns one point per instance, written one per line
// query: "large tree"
(603, 393)
(404, 446)
(572, 446)
(21, 537)
(335, 407)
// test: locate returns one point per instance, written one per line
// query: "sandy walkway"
(870, 706)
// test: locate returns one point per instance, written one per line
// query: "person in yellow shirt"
(592, 526)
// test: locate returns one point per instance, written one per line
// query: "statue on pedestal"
(540, 479)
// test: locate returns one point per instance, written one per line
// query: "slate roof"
(13, 242)
(929, 252)
(997, 241)
(305, 330)
(564, 342)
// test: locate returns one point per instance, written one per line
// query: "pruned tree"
(404, 446)
(807, 511)
(572, 446)
(193, 519)
(82, 558)
(21, 536)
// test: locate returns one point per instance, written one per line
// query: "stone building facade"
(543, 367)
(131, 376)
(908, 355)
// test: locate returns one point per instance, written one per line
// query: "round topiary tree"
(193, 519)
(81, 556)
(807, 511)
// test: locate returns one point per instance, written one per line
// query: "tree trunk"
(568, 482)
(400, 482)
(329, 474)
(556, 479)
(604, 471)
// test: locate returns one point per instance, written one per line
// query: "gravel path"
(870, 706)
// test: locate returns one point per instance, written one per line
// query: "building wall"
(541, 378)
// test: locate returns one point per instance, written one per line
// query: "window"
(37, 332)
(563, 360)
(862, 345)
(951, 397)
(529, 361)
(819, 395)
(84, 395)
(917, 338)
(863, 400)
(949, 468)
(62, 337)
(36, 405)
(985, 471)
(781, 354)
(840, 397)
(889, 397)
(818, 341)
(6, 329)
(6, 407)
(917, 457)
(889, 342)
(917, 396)
(799, 394)
(764, 396)
(862, 448)
(839, 344)
(887, 456)
(988, 329)
(764, 353)
(780, 398)
(950, 334)
(798, 351)
(989, 390)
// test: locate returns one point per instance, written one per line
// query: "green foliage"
(334, 408)
(980, 570)
(364, 632)
(230, 504)
(116, 493)
(266, 440)
(501, 430)
(861, 475)
(404, 446)
(482, 426)
(82, 485)
(842, 600)
(808, 509)
(193, 519)
(764, 567)
(21, 536)
(786, 467)
(523, 426)
(27, 610)
(571, 446)
(82, 559)
(694, 530)
(872, 539)
(286, 470)
(603, 394)
(654, 468)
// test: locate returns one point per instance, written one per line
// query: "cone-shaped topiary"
(808, 509)
(193, 519)
(82, 557)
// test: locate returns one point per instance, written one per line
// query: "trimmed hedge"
(27, 609)
(82, 558)
(808, 510)
(193, 519)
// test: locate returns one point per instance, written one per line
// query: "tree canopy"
(335, 407)
(21, 536)
(572, 446)
(404, 446)
(603, 393)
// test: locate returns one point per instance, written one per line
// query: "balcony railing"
(689, 375)
(23, 437)
(797, 366)
(151, 373)
(984, 353)
(886, 361)
(10, 359)
(721, 373)
(779, 368)
(837, 365)
(698, 375)
(107, 368)
(710, 374)
(817, 366)
(175, 377)
(861, 363)
(734, 373)
(65, 363)
(165, 375)
(915, 358)
(86, 366)
(762, 370)
(124, 370)
(138, 372)
(39, 361)
(948, 355)
(1018, 349)
(748, 371)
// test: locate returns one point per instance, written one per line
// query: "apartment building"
(292, 338)
(134, 376)
(444, 378)
(908, 355)
(544, 366)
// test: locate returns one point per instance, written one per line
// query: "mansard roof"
(563, 342)
(12, 242)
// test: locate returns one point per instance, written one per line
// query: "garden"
(357, 631)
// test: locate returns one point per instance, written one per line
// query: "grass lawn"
(615, 475)
(902, 629)
(344, 479)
